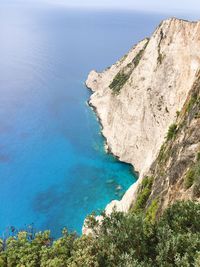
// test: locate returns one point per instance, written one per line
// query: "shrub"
(118, 82)
(191, 102)
(178, 235)
(143, 194)
(127, 240)
(139, 55)
(189, 178)
(171, 131)
(122, 76)
(193, 174)
(152, 211)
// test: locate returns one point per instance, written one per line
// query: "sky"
(171, 7)
(182, 6)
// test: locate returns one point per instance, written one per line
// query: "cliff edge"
(141, 95)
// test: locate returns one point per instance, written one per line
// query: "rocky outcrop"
(138, 98)
(176, 171)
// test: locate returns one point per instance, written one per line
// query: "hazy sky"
(145, 5)
(173, 7)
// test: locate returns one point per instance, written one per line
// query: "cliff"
(140, 96)
(175, 173)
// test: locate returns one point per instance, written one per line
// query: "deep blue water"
(53, 168)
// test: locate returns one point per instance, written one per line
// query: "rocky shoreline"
(128, 198)
(139, 97)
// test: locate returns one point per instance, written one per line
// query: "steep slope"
(155, 77)
(176, 172)
(138, 98)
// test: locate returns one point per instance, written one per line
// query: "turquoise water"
(53, 168)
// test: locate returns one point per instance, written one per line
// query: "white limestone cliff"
(135, 121)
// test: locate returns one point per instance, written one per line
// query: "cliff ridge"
(141, 95)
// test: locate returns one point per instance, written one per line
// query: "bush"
(193, 174)
(128, 240)
(171, 131)
(178, 234)
(152, 211)
(189, 178)
(143, 194)
(191, 102)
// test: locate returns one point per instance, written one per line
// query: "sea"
(54, 170)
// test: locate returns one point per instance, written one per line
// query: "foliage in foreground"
(121, 240)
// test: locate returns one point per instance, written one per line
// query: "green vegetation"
(143, 194)
(178, 113)
(128, 240)
(137, 58)
(191, 103)
(122, 76)
(161, 154)
(193, 174)
(152, 211)
(139, 55)
(189, 178)
(119, 81)
(171, 131)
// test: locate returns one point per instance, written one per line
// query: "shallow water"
(53, 168)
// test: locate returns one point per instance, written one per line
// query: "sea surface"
(53, 167)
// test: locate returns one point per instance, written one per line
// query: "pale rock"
(135, 122)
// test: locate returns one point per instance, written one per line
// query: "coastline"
(107, 148)
(128, 198)
(124, 204)
(134, 121)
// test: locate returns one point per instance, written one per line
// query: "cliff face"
(136, 119)
(137, 99)
(176, 171)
